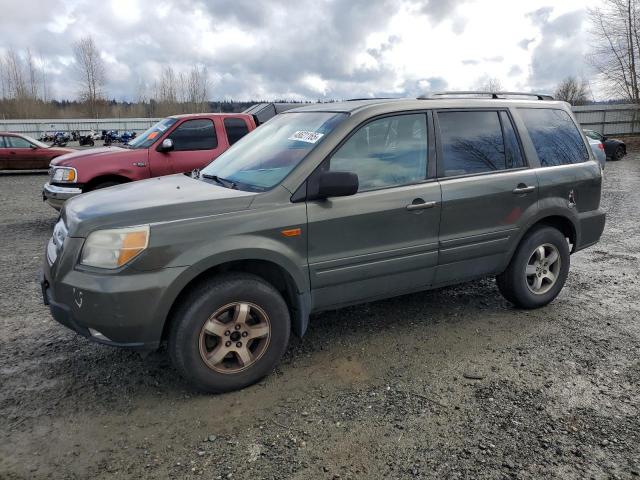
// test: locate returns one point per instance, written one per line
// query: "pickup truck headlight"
(64, 175)
(114, 248)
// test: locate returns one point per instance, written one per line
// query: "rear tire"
(229, 332)
(619, 153)
(538, 270)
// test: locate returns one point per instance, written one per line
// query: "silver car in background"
(598, 151)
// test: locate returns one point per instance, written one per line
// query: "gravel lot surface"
(452, 383)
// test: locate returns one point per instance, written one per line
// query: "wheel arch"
(297, 300)
(556, 219)
(111, 177)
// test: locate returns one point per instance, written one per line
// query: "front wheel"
(229, 332)
(538, 269)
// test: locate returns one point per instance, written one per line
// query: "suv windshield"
(263, 158)
(146, 139)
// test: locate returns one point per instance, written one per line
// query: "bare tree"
(615, 27)
(91, 72)
(15, 76)
(572, 90)
(196, 88)
(490, 85)
(168, 87)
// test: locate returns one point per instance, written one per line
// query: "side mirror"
(604, 139)
(337, 184)
(33, 147)
(167, 145)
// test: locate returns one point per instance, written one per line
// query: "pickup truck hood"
(159, 199)
(92, 154)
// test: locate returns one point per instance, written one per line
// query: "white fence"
(610, 119)
(36, 128)
(606, 119)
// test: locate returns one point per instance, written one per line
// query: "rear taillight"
(601, 146)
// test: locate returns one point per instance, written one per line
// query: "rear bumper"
(55, 195)
(591, 228)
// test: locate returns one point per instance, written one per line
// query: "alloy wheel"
(234, 337)
(543, 269)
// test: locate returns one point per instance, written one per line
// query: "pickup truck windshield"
(148, 138)
(262, 159)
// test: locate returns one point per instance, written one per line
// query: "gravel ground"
(452, 383)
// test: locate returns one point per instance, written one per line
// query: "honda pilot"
(324, 206)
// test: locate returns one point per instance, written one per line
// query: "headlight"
(64, 174)
(114, 248)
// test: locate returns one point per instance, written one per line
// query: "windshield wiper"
(221, 181)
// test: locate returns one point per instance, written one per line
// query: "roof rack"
(492, 95)
(369, 98)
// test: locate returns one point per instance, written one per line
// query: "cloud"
(515, 71)
(298, 49)
(560, 51)
(524, 43)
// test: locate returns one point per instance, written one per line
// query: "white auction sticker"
(304, 136)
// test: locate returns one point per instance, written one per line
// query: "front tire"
(102, 185)
(538, 270)
(229, 332)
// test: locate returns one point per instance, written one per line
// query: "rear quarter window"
(555, 136)
(236, 128)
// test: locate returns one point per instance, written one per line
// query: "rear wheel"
(538, 269)
(618, 153)
(229, 332)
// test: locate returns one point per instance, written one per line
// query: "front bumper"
(126, 309)
(55, 195)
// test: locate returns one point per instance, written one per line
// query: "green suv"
(324, 206)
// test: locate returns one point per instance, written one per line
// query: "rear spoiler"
(262, 112)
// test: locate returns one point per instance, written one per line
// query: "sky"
(308, 49)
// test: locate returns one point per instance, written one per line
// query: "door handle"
(421, 205)
(523, 189)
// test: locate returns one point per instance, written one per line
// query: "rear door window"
(197, 134)
(472, 142)
(236, 128)
(18, 142)
(555, 136)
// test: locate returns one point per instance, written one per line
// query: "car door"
(488, 191)
(22, 154)
(195, 145)
(382, 240)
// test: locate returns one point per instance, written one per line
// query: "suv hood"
(71, 159)
(159, 199)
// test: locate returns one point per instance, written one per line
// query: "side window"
(17, 142)
(513, 151)
(194, 135)
(471, 142)
(236, 128)
(554, 135)
(2, 144)
(386, 152)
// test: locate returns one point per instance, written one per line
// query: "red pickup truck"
(176, 144)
